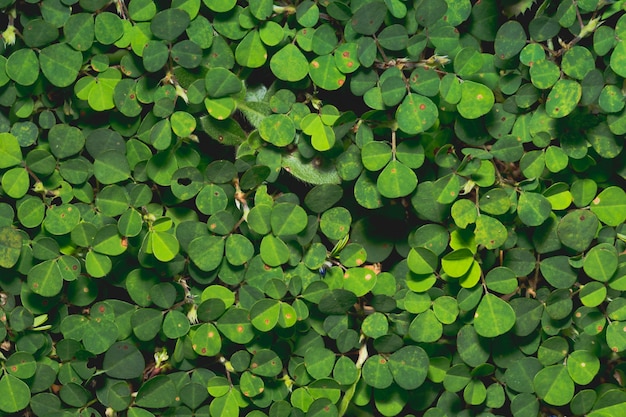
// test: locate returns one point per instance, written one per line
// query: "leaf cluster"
(312, 208)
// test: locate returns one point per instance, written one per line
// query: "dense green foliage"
(312, 208)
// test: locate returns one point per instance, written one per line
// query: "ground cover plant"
(312, 208)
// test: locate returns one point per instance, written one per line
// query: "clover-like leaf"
(493, 316)
(476, 100)
(158, 392)
(416, 114)
(554, 385)
(16, 394)
(289, 64)
(396, 180)
(60, 64)
(610, 206)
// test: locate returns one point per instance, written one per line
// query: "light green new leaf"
(458, 262)
(10, 151)
(165, 246)
(610, 206)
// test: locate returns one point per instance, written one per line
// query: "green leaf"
(206, 340)
(168, 24)
(220, 6)
(277, 129)
(610, 206)
(335, 222)
(108, 28)
(146, 323)
(206, 252)
(367, 19)
(79, 30)
(490, 232)
(155, 55)
(239, 249)
(618, 59)
(425, 328)
(476, 100)
(577, 229)
(409, 367)
(274, 251)
(266, 363)
(601, 262)
(99, 336)
(554, 385)
(10, 246)
(100, 96)
(582, 366)
(45, 278)
(510, 39)
(23, 66)
(15, 394)
(319, 362)
(165, 246)
(123, 361)
(157, 392)
(325, 74)
(264, 314)
(533, 208)
(220, 82)
(289, 64)
(10, 151)
(396, 180)
(563, 98)
(493, 316)
(376, 372)
(111, 167)
(458, 262)
(416, 114)
(187, 54)
(359, 281)
(65, 140)
(108, 241)
(60, 64)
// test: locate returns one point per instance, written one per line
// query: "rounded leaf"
(289, 64)
(60, 64)
(396, 180)
(554, 385)
(15, 394)
(416, 114)
(168, 24)
(476, 100)
(493, 317)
